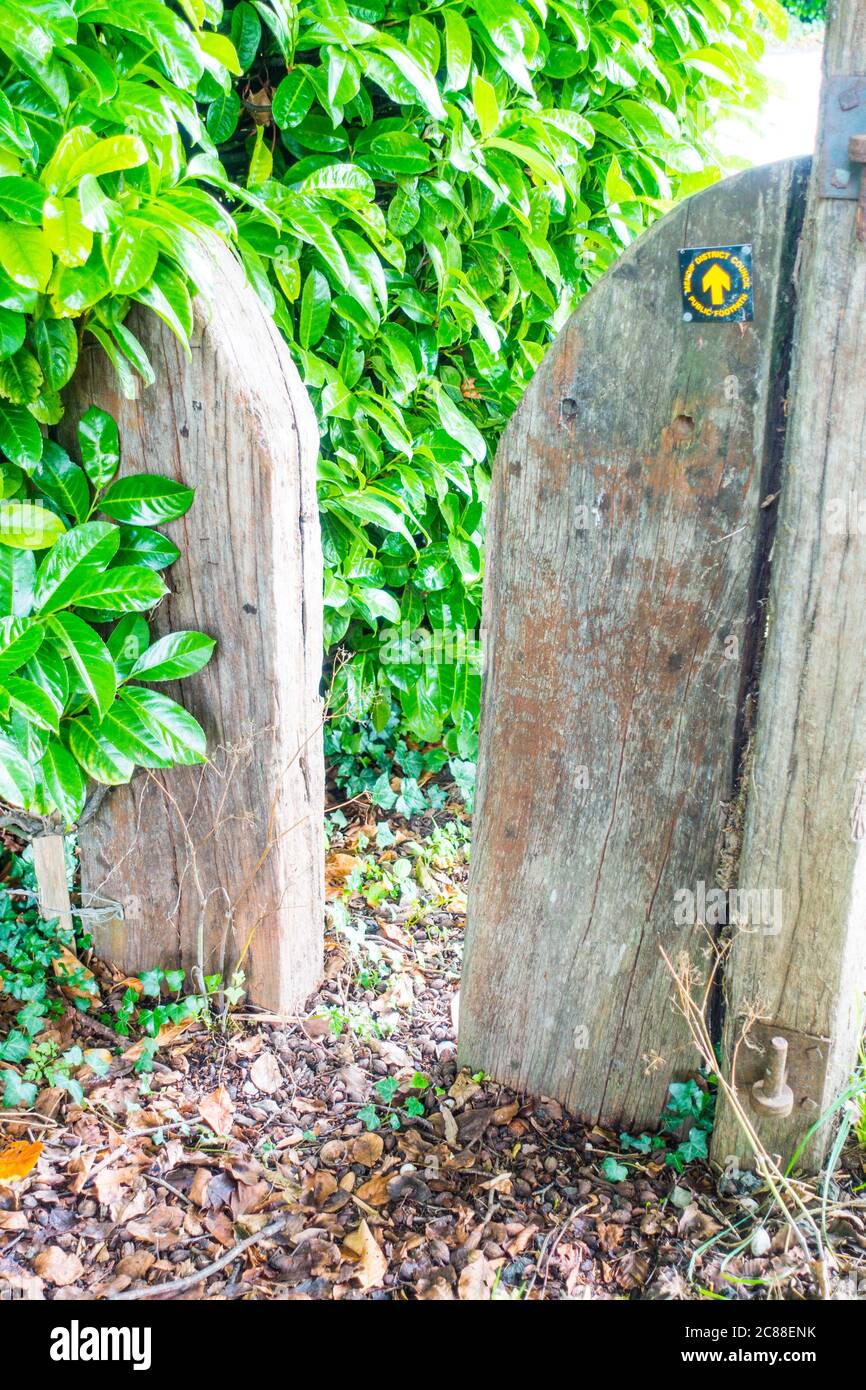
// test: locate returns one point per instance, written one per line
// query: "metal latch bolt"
(772, 1095)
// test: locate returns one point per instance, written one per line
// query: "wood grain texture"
(625, 531)
(49, 865)
(810, 747)
(181, 850)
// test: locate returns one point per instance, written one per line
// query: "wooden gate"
(625, 536)
(211, 865)
(662, 563)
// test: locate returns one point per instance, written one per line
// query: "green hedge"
(438, 184)
(421, 192)
(810, 11)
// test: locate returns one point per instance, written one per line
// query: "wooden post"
(626, 531)
(805, 828)
(49, 866)
(211, 865)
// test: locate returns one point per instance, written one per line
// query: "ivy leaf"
(15, 1046)
(387, 1088)
(151, 981)
(613, 1170)
(17, 1094)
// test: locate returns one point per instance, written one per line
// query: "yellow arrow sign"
(716, 281)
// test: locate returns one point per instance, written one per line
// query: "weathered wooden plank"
(803, 833)
(202, 861)
(49, 865)
(624, 543)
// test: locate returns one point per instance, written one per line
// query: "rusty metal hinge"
(843, 115)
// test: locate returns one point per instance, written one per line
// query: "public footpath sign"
(717, 284)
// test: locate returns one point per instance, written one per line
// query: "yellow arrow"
(716, 281)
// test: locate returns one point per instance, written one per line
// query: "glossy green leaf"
(174, 656)
(13, 326)
(76, 556)
(458, 50)
(130, 259)
(126, 642)
(56, 345)
(21, 199)
(31, 700)
(458, 425)
(62, 481)
(28, 526)
(223, 115)
(48, 670)
(179, 735)
(17, 573)
(64, 781)
(65, 231)
(141, 546)
(94, 751)
(121, 589)
(25, 256)
(133, 737)
(167, 295)
(20, 639)
(17, 782)
(292, 99)
(89, 656)
(20, 435)
(315, 308)
(99, 445)
(20, 378)
(146, 499)
(107, 157)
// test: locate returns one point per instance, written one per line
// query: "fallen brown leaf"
(217, 1110)
(367, 1149)
(371, 1265)
(476, 1281)
(265, 1073)
(58, 1267)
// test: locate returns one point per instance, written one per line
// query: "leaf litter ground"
(342, 1155)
